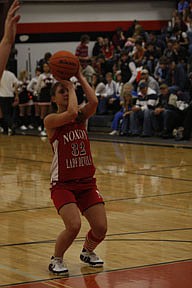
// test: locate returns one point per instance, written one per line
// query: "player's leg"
(97, 219)
(71, 218)
(66, 206)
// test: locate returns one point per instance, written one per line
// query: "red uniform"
(72, 168)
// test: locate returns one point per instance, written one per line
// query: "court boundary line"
(79, 239)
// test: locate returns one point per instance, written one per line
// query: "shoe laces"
(58, 262)
(93, 256)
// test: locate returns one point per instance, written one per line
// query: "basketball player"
(73, 186)
(9, 35)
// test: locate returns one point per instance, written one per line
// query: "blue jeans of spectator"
(115, 123)
(141, 122)
(125, 129)
(102, 106)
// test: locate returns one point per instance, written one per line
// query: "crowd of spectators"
(142, 78)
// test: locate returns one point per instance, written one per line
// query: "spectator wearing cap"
(166, 114)
(141, 118)
(152, 83)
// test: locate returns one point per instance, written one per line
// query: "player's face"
(61, 95)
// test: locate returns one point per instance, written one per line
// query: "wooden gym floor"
(148, 194)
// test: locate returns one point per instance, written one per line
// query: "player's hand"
(67, 84)
(11, 23)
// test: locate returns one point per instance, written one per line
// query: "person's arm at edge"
(9, 35)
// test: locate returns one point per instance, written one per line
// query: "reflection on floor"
(171, 275)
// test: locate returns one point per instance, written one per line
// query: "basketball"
(63, 65)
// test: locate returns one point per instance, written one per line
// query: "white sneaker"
(114, 132)
(23, 127)
(57, 266)
(39, 128)
(43, 133)
(31, 127)
(91, 258)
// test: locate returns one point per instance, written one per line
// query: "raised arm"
(9, 35)
(90, 108)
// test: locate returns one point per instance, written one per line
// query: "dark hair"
(138, 42)
(84, 38)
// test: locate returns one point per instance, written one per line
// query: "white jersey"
(7, 83)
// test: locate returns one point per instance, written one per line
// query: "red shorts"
(82, 192)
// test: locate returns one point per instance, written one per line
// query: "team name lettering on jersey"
(78, 162)
(74, 135)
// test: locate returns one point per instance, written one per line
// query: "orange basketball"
(63, 65)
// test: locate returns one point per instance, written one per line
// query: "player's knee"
(74, 228)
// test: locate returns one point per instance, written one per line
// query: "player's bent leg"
(97, 219)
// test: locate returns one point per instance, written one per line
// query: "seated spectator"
(98, 85)
(185, 132)
(180, 37)
(82, 50)
(88, 71)
(100, 91)
(126, 104)
(157, 41)
(180, 54)
(108, 49)
(177, 76)
(118, 40)
(168, 51)
(179, 23)
(97, 48)
(101, 65)
(166, 114)
(139, 33)
(138, 53)
(127, 68)
(113, 99)
(182, 5)
(151, 82)
(119, 83)
(161, 70)
(151, 57)
(141, 116)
